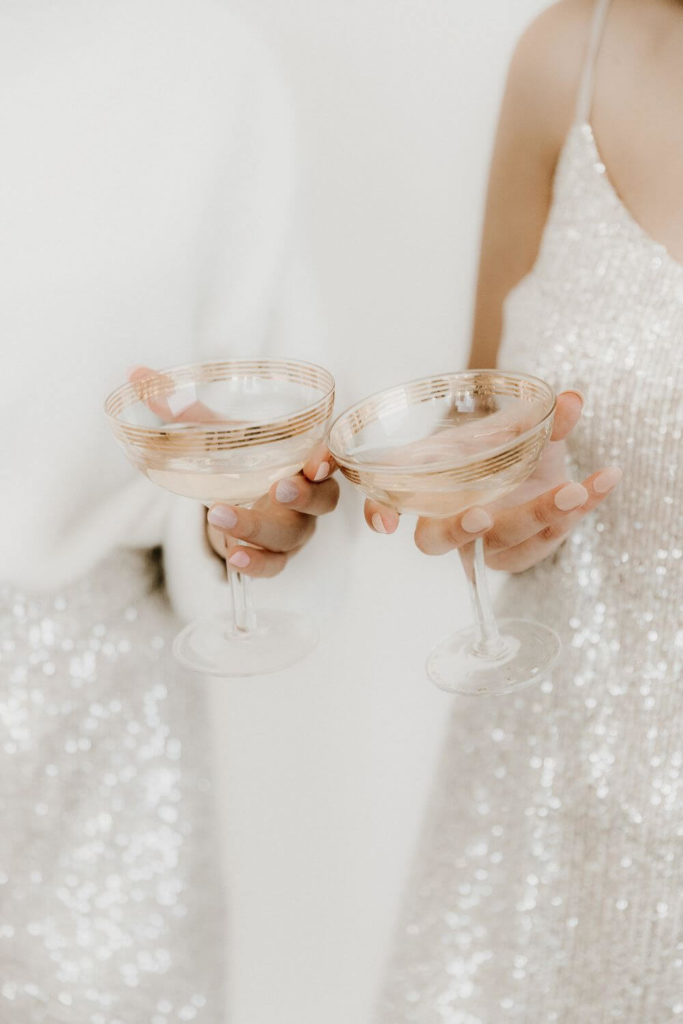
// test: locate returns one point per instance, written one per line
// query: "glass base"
(279, 640)
(530, 649)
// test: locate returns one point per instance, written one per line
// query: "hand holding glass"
(225, 432)
(436, 447)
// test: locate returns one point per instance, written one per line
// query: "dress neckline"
(583, 132)
(586, 131)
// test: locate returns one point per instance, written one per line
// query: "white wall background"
(324, 786)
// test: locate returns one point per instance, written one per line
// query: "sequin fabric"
(548, 884)
(110, 903)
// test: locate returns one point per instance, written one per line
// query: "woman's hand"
(529, 523)
(279, 524)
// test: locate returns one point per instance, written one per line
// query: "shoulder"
(545, 69)
(552, 47)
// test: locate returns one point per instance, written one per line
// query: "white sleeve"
(256, 292)
(195, 576)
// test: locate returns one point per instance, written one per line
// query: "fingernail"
(570, 497)
(608, 479)
(475, 520)
(323, 471)
(222, 516)
(286, 491)
(579, 395)
(378, 524)
(240, 559)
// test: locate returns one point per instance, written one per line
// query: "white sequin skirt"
(110, 900)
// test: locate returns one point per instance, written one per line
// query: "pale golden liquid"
(229, 488)
(404, 483)
(239, 477)
(428, 496)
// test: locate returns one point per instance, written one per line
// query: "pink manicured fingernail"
(570, 497)
(322, 473)
(378, 524)
(475, 520)
(223, 517)
(608, 479)
(240, 559)
(286, 491)
(573, 391)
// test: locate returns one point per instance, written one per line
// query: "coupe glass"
(225, 432)
(436, 447)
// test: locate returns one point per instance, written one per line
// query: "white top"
(145, 210)
(145, 213)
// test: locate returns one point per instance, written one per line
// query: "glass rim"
(128, 388)
(348, 462)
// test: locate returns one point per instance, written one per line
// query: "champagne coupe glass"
(436, 447)
(226, 431)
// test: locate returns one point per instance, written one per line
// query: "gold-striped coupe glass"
(436, 447)
(225, 432)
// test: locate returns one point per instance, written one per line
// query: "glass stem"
(243, 614)
(489, 643)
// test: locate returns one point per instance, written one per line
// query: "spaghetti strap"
(584, 99)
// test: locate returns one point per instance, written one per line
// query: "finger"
(534, 550)
(174, 403)
(278, 530)
(567, 414)
(319, 465)
(225, 547)
(298, 494)
(256, 562)
(380, 518)
(437, 536)
(478, 434)
(515, 525)
(543, 544)
(218, 539)
(152, 388)
(547, 517)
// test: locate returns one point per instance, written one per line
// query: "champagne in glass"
(436, 447)
(225, 432)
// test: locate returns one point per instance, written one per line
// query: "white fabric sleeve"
(251, 274)
(195, 576)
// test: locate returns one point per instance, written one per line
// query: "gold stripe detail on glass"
(486, 385)
(185, 439)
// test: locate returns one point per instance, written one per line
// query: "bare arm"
(531, 522)
(535, 115)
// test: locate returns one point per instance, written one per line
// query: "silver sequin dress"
(110, 903)
(548, 886)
